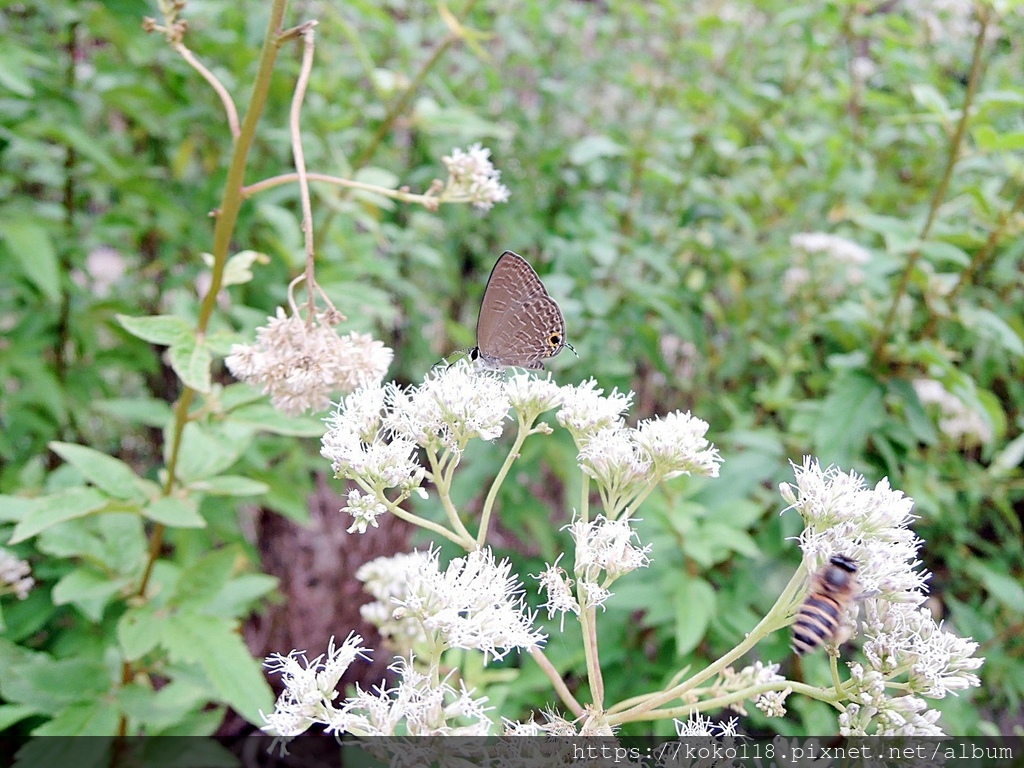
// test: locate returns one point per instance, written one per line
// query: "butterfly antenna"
(572, 349)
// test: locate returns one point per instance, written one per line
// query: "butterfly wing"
(519, 323)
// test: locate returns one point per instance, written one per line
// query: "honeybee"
(832, 589)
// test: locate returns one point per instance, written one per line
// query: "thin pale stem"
(217, 85)
(492, 493)
(955, 148)
(295, 127)
(775, 619)
(442, 481)
(588, 622)
(557, 682)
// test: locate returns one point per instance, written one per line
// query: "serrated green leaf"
(694, 605)
(105, 472)
(137, 410)
(231, 485)
(204, 578)
(87, 589)
(175, 512)
(192, 361)
(54, 683)
(47, 511)
(138, 631)
(29, 243)
(239, 594)
(157, 329)
(220, 342)
(215, 644)
(206, 451)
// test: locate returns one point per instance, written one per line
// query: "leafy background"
(659, 160)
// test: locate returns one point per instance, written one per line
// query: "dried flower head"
(301, 365)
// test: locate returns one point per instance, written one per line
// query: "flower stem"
(955, 147)
(492, 493)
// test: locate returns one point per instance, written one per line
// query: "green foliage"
(659, 163)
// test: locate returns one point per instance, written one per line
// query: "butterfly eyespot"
(555, 339)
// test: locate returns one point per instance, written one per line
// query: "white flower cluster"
(388, 580)
(415, 706)
(750, 676)
(957, 421)
(623, 459)
(832, 278)
(843, 516)
(301, 365)
(14, 575)
(472, 175)
(473, 603)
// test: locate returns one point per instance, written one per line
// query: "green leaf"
(939, 252)
(157, 329)
(80, 753)
(238, 595)
(928, 96)
(30, 245)
(268, 419)
(94, 718)
(207, 451)
(991, 326)
(215, 644)
(231, 485)
(138, 631)
(853, 409)
(11, 714)
(590, 148)
(88, 589)
(220, 342)
(991, 140)
(105, 472)
(50, 683)
(175, 512)
(137, 410)
(191, 361)
(694, 607)
(1002, 586)
(47, 511)
(204, 578)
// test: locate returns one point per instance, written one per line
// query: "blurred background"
(727, 199)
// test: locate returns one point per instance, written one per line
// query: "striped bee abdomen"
(831, 590)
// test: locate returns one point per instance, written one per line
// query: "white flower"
(380, 464)
(903, 643)
(415, 706)
(472, 175)
(309, 686)
(388, 580)
(585, 408)
(14, 575)
(773, 703)
(451, 407)
(473, 603)
(606, 545)
(365, 508)
(957, 421)
(675, 445)
(839, 248)
(558, 586)
(698, 725)
(531, 395)
(611, 456)
(300, 365)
